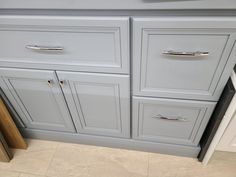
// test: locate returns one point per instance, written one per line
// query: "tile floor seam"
(32, 173)
(15, 171)
(27, 173)
(148, 165)
(52, 159)
(18, 173)
(10, 171)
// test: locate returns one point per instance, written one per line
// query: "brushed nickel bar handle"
(181, 119)
(187, 54)
(43, 48)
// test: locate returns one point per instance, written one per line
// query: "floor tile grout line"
(148, 165)
(14, 171)
(21, 173)
(55, 150)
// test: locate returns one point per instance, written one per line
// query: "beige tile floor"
(55, 159)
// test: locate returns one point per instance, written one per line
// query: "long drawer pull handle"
(187, 54)
(43, 48)
(181, 119)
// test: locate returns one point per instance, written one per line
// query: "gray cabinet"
(76, 81)
(99, 103)
(170, 120)
(37, 98)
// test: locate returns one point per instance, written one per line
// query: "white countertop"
(118, 4)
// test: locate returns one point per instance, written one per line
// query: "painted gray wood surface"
(99, 103)
(120, 12)
(118, 4)
(159, 75)
(169, 120)
(174, 149)
(40, 105)
(91, 105)
(95, 44)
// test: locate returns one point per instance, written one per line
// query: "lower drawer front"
(169, 120)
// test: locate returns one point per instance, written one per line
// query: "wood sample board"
(9, 130)
(5, 154)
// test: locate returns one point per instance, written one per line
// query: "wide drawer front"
(170, 121)
(178, 58)
(97, 44)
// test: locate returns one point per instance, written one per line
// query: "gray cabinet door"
(190, 58)
(99, 103)
(38, 99)
(170, 120)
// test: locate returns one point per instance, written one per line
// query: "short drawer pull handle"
(181, 119)
(43, 48)
(187, 54)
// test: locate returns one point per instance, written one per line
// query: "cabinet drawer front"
(99, 103)
(170, 121)
(179, 60)
(98, 44)
(37, 98)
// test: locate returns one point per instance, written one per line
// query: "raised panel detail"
(99, 103)
(39, 103)
(159, 74)
(180, 74)
(170, 121)
(87, 44)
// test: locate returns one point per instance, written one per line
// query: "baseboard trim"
(131, 144)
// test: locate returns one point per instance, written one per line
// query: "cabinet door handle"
(50, 82)
(180, 119)
(61, 83)
(187, 54)
(43, 48)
